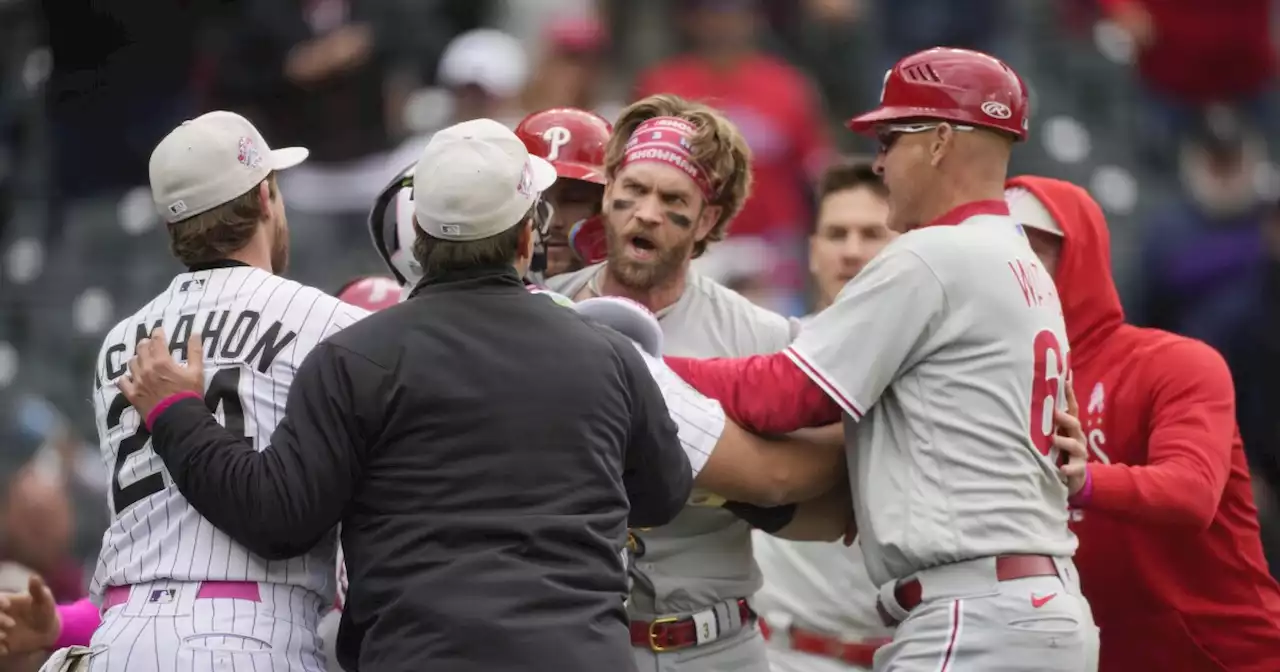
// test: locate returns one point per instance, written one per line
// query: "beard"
(634, 274)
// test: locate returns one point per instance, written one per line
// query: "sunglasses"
(888, 134)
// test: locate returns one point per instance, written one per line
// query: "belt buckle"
(653, 632)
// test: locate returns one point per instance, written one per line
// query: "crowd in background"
(1163, 109)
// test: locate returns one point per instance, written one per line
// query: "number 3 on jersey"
(223, 391)
(1046, 384)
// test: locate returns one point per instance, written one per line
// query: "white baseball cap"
(1028, 211)
(476, 179)
(488, 58)
(211, 160)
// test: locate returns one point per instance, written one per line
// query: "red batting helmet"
(372, 293)
(958, 85)
(572, 140)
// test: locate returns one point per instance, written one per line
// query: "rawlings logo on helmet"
(996, 109)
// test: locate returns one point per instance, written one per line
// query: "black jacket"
(478, 443)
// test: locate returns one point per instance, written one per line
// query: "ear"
(707, 221)
(941, 144)
(264, 196)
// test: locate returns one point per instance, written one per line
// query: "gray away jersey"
(703, 556)
(257, 328)
(948, 354)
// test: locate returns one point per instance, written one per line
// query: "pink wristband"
(1081, 499)
(166, 403)
(79, 620)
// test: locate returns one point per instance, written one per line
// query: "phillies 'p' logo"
(556, 137)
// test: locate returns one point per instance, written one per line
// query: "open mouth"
(641, 247)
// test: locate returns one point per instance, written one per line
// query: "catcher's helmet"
(391, 225)
(957, 85)
(372, 292)
(572, 140)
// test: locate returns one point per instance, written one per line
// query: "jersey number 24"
(223, 390)
(1046, 384)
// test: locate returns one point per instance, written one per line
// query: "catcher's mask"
(393, 231)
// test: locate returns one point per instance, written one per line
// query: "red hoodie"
(1169, 557)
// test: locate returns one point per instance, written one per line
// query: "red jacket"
(1169, 557)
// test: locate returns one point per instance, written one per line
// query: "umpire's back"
(503, 435)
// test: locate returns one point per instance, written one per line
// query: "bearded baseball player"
(676, 173)
(817, 601)
(947, 357)
(176, 593)
(1170, 553)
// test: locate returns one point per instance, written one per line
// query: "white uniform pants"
(163, 627)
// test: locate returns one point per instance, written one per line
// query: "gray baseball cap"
(211, 160)
(476, 179)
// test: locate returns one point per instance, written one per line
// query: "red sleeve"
(1192, 431)
(766, 394)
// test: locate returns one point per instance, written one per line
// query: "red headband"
(666, 140)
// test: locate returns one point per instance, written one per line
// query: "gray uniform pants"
(970, 621)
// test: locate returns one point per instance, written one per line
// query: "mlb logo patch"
(197, 284)
(248, 155)
(162, 596)
(177, 208)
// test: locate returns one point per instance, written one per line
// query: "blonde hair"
(717, 147)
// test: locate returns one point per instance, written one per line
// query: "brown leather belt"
(670, 634)
(861, 654)
(909, 593)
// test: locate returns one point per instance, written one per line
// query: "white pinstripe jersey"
(257, 328)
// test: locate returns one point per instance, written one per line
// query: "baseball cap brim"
(1028, 209)
(544, 174)
(572, 170)
(288, 157)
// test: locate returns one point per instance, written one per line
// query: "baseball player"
(177, 593)
(817, 601)
(676, 173)
(1170, 554)
(572, 141)
(948, 358)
